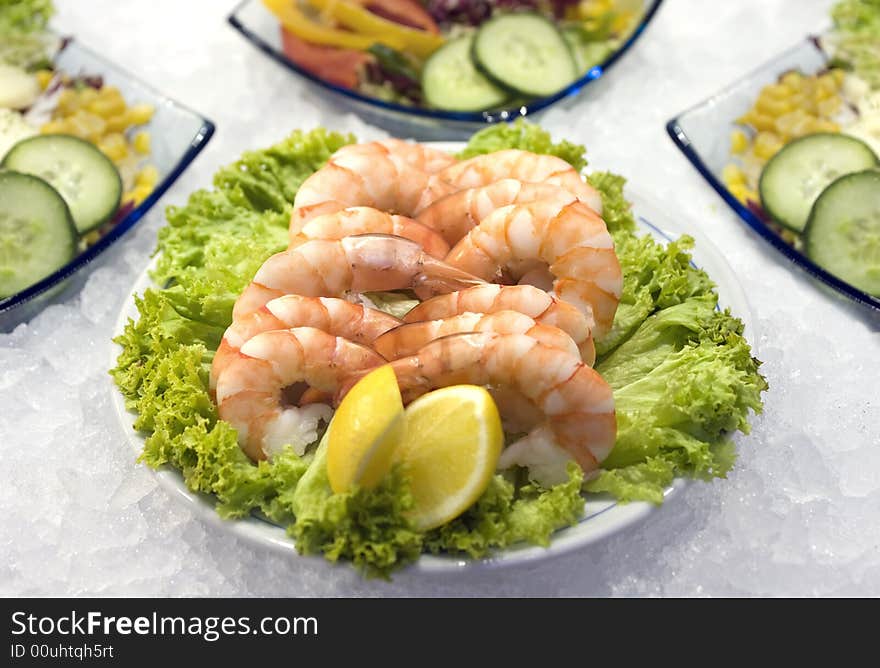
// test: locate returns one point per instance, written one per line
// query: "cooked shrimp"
(409, 338)
(426, 158)
(346, 267)
(334, 316)
(522, 166)
(574, 406)
(252, 388)
(456, 214)
(370, 175)
(564, 248)
(365, 220)
(527, 299)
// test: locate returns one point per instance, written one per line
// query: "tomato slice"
(407, 12)
(334, 65)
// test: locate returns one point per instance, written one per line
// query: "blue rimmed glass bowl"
(177, 134)
(262, 29)
(703, 135)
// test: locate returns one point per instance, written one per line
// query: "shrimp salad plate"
(431, 356)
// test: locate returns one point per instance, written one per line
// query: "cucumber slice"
(87, 180)
(450, 80)
(793, 178)
(37, 235)
(843, 232)
(525, 52)
(586, 54)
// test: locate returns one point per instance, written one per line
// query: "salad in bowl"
(794, 148)
(392, 350)
(85, 150)
(454, 60)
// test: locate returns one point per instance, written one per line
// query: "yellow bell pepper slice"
(297, 23)
(419, 42)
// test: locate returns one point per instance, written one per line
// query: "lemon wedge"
(450, 447)
(364, 431)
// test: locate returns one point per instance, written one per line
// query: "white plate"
(602, 516)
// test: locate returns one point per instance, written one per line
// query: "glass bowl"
(703, 135)
(177, 135)
(259, 26)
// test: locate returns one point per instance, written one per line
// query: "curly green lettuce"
(525, 137)
(856, 38)
(369, 528)
(507, 514)
(683, 382)
(654, 275)
(24, 40)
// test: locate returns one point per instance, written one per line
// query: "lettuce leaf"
(367, 527)
(682, 382)
(655, 276)
(526, 137)
(24, 16)
(210, 249)
(24, 38)
(616, 210)
(856, 38)
(505, 515)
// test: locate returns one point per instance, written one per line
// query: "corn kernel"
(762, 121)
(86, 96)
(87, 125)
(776, 91)
(732, 174)
(147, 177)
(114, 139)
(828, 82)
(838, 75)
(787, 123)
(114, 146)
(92, 238)
(595, 9)
(44, 78)
(107, 106)
(622, 21)
(799, 101)
(793, 79)
(54, 127)
(115, 153)
(738, 142)
(739, 190)
(829, 107)
(140, 193)
(822, 93)
(823, 125)
(140, 114)
(141, 142)
(767, 145)
(772, 107)
(117, 123)
(68, 102)
(746, 118)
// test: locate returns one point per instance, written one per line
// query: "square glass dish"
(259, 26)
(703, 133)
(177, 135)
